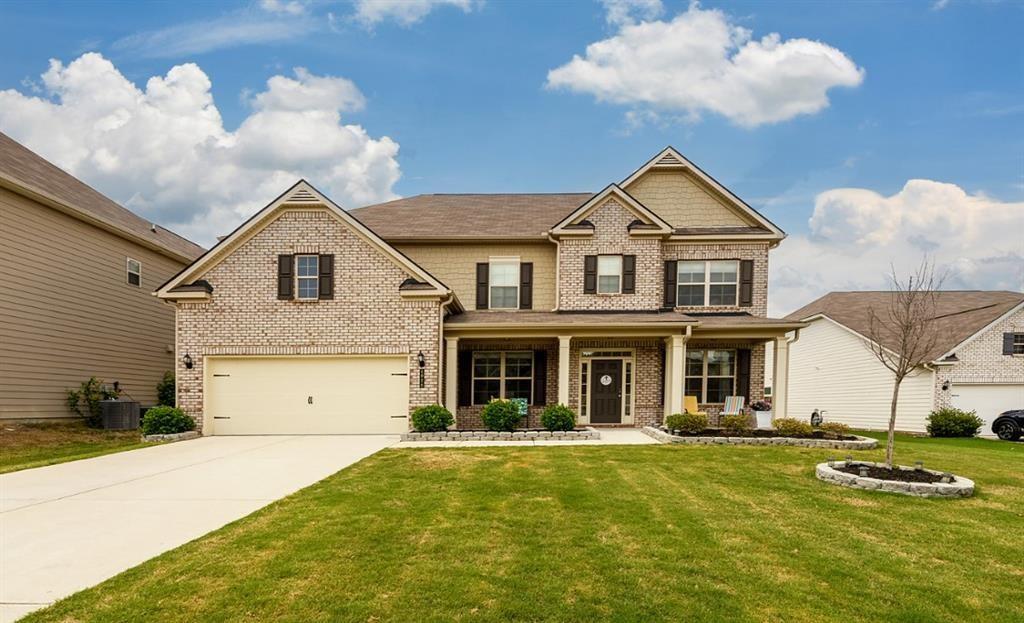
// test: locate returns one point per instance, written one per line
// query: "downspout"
(440, 348)
(558, 271)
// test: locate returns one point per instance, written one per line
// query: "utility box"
(119, 414)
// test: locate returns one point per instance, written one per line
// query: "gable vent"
(302, 196)
(669, 159)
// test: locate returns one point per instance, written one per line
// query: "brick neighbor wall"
(366, 316)
(983, 361)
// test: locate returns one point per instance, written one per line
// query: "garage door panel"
(988, 400)
(308, 395)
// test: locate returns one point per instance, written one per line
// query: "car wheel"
(1007, 430)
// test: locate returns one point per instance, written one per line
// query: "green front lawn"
(34, 445)
(620, 533)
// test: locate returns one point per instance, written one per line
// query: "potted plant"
(762, 412)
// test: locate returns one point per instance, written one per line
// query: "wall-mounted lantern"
(422, 361)
(187, 360)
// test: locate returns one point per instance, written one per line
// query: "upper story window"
(502, 375)
(710, 375)
(134, 268)
(609, 274)
(1018, 343)
(504, 284)
(707, 283)
(307, 277)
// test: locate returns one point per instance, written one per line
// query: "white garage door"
(307, 395)
(988, 401)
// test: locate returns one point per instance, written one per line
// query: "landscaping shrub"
(558, 417)
(165, 390)
(836, 428)
(950, 422)
(166, 420)
(734, 424)
(432, 418)
(687, 422)
(85, 401)
(792, 427)
(501, 415)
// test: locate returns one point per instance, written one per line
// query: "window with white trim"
(707, 283)
(1018, 343)
(307, 277)
(710, 375)
(609, 274)
(503, 280)
(134, 270)
(502, 374)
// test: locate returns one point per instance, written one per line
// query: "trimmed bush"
(165, 390)
(792, 427)
(836, 428)
(432, 418)
(692, 423)
(166, 420)
(500, 415)
(734, 424)
(949, 422)
(558, 417)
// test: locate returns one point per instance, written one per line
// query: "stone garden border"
(491, 435)
(860, 443)
(192, 434)
(960, 487)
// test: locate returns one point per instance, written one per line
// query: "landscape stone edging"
(191, 434)
(491, 435)
(861, 443)
(960, 487)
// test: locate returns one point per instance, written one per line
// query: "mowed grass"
(23, 446)
(613, 533)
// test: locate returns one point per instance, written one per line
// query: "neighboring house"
(977, 364)
(308, 318)
(77, 273)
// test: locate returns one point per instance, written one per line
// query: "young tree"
(901, 335)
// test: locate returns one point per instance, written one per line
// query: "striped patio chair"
(733, 405)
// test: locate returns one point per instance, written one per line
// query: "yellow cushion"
(690, 405)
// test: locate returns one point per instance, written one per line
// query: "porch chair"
(733, 405)
(690, 405)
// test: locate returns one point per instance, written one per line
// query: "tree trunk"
(892, 422)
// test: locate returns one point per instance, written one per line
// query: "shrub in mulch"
(759, 433)
(431, 418)
(166, 420)
(558, 418)
(950, 422)
(691, 423)
(884, 473)
(500, 415)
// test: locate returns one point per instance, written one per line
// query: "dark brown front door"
(606, 391)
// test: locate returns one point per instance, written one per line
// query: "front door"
(606, 391)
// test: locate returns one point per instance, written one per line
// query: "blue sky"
(462, 93)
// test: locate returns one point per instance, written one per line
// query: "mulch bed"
(884, 473)
(757, 432)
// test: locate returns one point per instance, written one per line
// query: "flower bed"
(915, 481)
(762, 438)
(492, 435)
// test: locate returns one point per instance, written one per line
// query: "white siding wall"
(831, 369)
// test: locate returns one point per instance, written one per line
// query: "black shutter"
(540, 377)
(1008, 343)
(465, 378)
(628, 274)
(285, 277)
(526, 285)
(326, 264)
(746, 283)
(482, 277)
(590, 274)
(670, 283)
(743, 373)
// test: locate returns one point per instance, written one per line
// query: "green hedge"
(692, 423)
(558, 417)
(792, 427)
(501, 415)
(166, 420)
(951, 422)
(432, 418)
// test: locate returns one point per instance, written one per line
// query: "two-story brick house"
(308, 318)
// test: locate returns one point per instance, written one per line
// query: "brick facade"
(983, 361)
(468, 417)
(758, 252)
(648, 375)
(366, 316)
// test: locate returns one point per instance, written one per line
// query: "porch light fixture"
(187, 360)
(420, 359)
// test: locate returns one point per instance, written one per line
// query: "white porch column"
(451, 378)
(563, 368)
(780, 378)
(674, 388)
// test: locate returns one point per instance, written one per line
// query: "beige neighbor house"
(76, 276)
(977, 364)
(311, 319)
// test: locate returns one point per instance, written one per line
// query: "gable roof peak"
(641, 211)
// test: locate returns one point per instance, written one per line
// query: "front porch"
(628, 369)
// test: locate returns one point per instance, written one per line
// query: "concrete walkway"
(609, 437)
(67, 527)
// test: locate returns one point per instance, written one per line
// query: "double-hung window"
(710, 375)
(307, 277)
(504, 284)
(707, 283)
(609, 274)
(134, 268)
(1018, 344)
(502, 375)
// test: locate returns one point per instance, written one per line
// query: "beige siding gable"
(682, 200)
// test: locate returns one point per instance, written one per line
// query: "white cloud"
(857, 234)
(621, 12)
(163, 151)
(700, 61)
(291, 7)
(938, 5)
(404, 12)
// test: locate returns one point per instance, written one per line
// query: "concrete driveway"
(67, 527)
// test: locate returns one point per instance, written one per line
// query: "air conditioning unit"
(119, 414)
